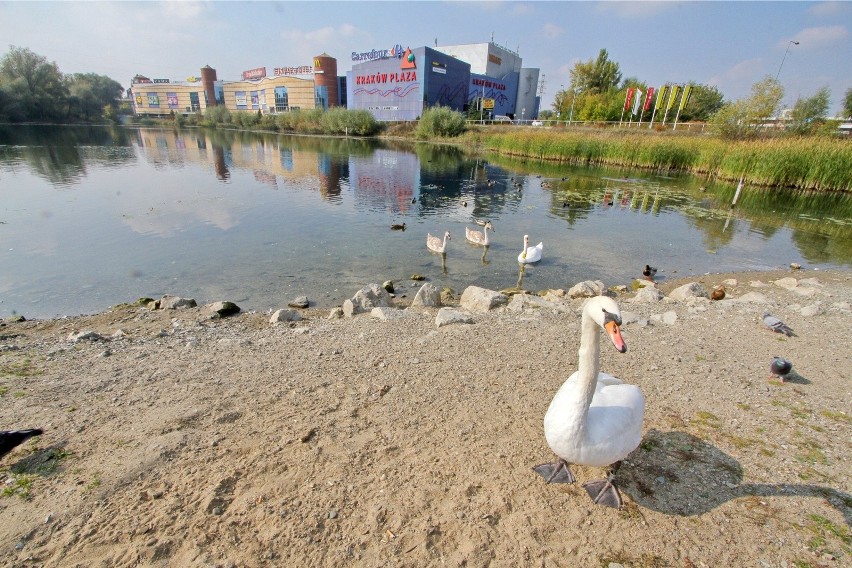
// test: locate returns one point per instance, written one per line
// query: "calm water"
(92, 217)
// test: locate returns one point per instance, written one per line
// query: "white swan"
(594, 420)
(436, 244)
(530, 254)
(479, 237)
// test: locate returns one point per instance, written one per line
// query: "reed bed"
(812, 163)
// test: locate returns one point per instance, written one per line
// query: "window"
(281, 99)
(193, 102)
(321, 97)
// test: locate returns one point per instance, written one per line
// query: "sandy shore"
(185, 441)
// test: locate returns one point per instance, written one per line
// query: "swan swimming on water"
(594, 419)
(436, 244)
(479, 237)
(530, 254)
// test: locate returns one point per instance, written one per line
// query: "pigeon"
(10, 439)
(777, 325)
(780, 367)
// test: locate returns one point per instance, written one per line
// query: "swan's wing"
(614, 424)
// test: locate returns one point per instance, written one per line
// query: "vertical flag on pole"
(629, 99)
(661, 97)
(649, 96)
(684, 98)
(672, 96)
(637, 100)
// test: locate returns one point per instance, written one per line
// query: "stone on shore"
(447, 316)
(299, 302)
(365, 299)
(284, 316)
(385, 313)
(476, 299)
(223, 309)
(176, 303)
(691, 290)
(427, 297)
(648, 294)
(587, 289)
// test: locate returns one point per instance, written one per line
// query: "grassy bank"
(813, 163)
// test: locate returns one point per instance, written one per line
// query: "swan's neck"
(589, 365)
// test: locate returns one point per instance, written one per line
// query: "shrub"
(440, 121)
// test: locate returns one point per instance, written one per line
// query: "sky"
(730, 45)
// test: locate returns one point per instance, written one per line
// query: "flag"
(629, 99)
(661, 97)
(637, 101)
(672, 96)
(684, 98)
(649, 96)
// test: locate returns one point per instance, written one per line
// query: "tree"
(808, 113)
(34, 89)
(745, 117)
(847, 103)
(596, 75)
(90, 93)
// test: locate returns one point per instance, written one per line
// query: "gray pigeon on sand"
(777, 325)
(780, 367)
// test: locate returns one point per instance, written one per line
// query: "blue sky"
(727, 44)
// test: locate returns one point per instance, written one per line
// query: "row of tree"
(32, 89)
(598, 93)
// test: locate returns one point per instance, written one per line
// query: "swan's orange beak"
(614, 332)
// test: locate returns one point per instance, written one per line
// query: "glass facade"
(281, 102)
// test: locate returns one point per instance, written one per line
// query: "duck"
(398, 227)
(649, 272)
(479, 237)
(436, 244)
(530, 254)
(11, 439)
(718, 293)
(594, 419)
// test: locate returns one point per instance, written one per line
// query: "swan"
(435, 244)
(479, 237)
(594, 419)
(530, 254)
(10, 439)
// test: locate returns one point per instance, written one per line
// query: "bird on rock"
(777, 325)
(780, 367)
(11, 439)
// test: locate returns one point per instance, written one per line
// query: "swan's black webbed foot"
(556, 472)
(603, 492)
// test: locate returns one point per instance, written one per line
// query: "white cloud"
(810, 38)
(182, 10)
(552, 31)
(634, 8)
(829, 8)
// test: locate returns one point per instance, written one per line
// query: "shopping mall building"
(394, 84)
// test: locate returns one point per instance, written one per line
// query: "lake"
(95, 216)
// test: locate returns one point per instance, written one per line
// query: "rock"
(648, 294)
(587, 289)
(814, 282)
(669, 318)
(476, 299)
(417, 277)
(388, 286)
(176, 303)
(804, 291)
(448, 296)
(281, 316)
(788, 283)
(524, 302)
(730, 282)
(752, 298)
(299, 302)
(428, 297)
(691, 290)
(447, 316)
(812, 310)
(630, 317)
(335, 313)
(85, 336)
(224, 309)
(795, 266)
(14, 319)
(757, 284)
(365, 299)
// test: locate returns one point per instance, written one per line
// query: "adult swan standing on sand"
(594, 419)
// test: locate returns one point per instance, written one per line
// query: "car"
(502, 118)
(537, 123)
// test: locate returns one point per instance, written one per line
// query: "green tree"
(33, 88)
(847, 103)
(90, 93)
(765, 98)
(596, 75)
(810, 112)
(746, 117)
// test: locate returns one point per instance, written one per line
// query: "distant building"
(288, 89)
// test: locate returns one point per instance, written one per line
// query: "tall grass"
(816, 163)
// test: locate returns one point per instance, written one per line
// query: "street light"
(573, 96)
(785, 57)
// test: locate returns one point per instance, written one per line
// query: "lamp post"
(791, 42)
(573, 96)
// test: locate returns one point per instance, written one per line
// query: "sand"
(182, 440)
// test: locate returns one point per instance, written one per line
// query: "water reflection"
(162, 211)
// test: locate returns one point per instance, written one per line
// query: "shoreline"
(171, 438)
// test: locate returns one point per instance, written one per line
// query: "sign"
(258, 73)
(161, 80)
(489, 84)
(301, 70)
(373, 54)
(377, 78)
(438, 67)
(494, 59)
(488, 104)
(192, 79)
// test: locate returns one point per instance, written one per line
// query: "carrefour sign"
(372, 55)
